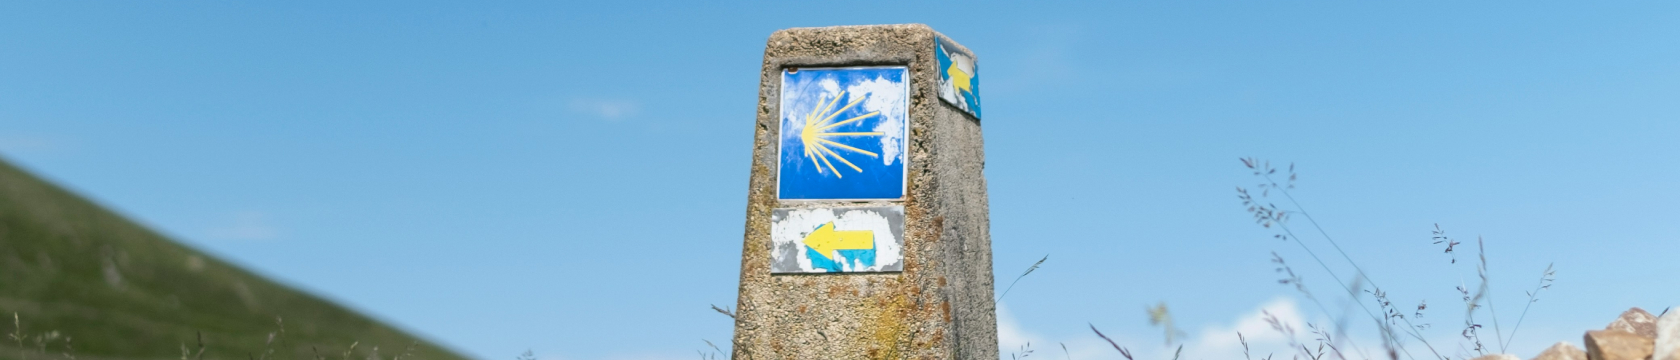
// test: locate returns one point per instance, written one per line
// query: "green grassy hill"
(117, 290)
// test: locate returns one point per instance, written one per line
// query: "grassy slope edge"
(122, 291)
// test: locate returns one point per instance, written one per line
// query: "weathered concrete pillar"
(867, 231)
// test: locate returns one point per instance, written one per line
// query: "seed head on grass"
(1546, 278)
(69, 349)
(352, 349)
(1286, 330)
(724, 311)
(281, 324)
(1123, 352)
(1160, 316)
(711, 356)
(1325, 340)
(17, 334)
(1018, 278)
(200, 354)
(1026, 351)
(1472, 330)
(1289, 276)
(1441, 237)
(1244, 342)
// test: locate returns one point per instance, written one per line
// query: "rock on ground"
(1668, 337)
(1617, 345)
(1636, 321)
(1563, 350)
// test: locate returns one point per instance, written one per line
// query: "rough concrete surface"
(940, 306)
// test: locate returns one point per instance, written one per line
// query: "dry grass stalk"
(1018, 278)
(1392, 321)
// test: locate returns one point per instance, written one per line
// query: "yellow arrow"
(960, 79)
(825, 240)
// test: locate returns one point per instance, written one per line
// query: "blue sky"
(570, 178)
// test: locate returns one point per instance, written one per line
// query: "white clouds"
(1220, 341)
(1012, 338)
(1213, 342)
(609, 109)
(245, 226)
(1010, 334)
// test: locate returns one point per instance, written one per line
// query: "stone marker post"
(867, 231)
